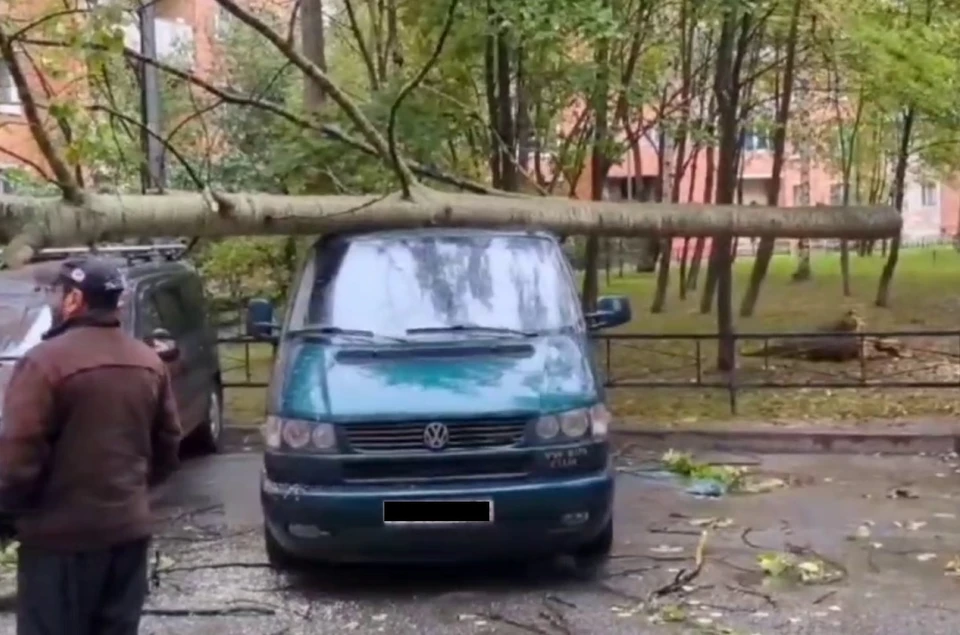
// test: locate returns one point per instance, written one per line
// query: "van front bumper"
(345, 524)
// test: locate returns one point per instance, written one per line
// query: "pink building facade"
(931, 209)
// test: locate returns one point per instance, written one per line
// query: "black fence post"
(732, 376)
(863, 359)
(699, 361)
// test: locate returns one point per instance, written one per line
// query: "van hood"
(469, 378)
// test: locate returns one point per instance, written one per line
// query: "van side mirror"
(612, 310)
(260, 322)
(164, 344)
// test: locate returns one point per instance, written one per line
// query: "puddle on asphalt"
(656, 476)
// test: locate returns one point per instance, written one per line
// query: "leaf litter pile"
(707, 479)
(674, 603)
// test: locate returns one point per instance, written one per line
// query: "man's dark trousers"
(99, 592)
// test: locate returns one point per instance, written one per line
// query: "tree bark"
(848, 153)
(727, 92)
(709, 191)
(505, 129)
(765, 249)
(523, 124)
(899, 181)
(599, 164)
(490, 86)
(682, 278)
(314, 49)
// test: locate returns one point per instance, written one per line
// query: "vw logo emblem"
(436, 435)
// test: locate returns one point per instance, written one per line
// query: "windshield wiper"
(336, 330)
(470, 327)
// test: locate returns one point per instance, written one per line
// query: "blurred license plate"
(437, 512)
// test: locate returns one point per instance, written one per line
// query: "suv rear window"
(23, 321)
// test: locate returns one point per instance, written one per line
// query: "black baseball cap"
(92, 276)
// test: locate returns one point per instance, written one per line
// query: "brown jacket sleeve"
(25, 435)
(166, 434)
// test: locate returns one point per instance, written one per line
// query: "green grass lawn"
(925, 296)
(240, 363)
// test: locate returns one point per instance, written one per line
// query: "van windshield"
(401, 286)
(23, 322)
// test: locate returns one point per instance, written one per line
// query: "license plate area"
(437, 512)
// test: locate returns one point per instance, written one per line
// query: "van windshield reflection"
(469, 285)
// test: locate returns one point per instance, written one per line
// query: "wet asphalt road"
(210, 562)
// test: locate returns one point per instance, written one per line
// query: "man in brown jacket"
(89, 422)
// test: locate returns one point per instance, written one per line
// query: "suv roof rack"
(132, 253)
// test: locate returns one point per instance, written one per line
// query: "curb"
(798, 441)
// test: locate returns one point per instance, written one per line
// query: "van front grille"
(409, 436)
(437, 467)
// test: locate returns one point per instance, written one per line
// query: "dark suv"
(163, 305)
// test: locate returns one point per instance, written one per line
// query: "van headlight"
(297, 434)
(574, 425)
(547, 427)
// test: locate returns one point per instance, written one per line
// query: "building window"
(221, 23)
(9, 96)
(836, 194)
(928, 193)
(6, 183)
(800, 195)
(753, 141)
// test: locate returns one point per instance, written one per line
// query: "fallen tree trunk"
(32, 223)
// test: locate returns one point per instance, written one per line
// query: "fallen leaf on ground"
(944, 516)
(719, 523)
(914, 525)
(952, 568)
(862, 532)
(926, 557)
(774, 564)
(762, 486)
(901, 492)
(788, 566)
(672, 613)
(666, 549)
